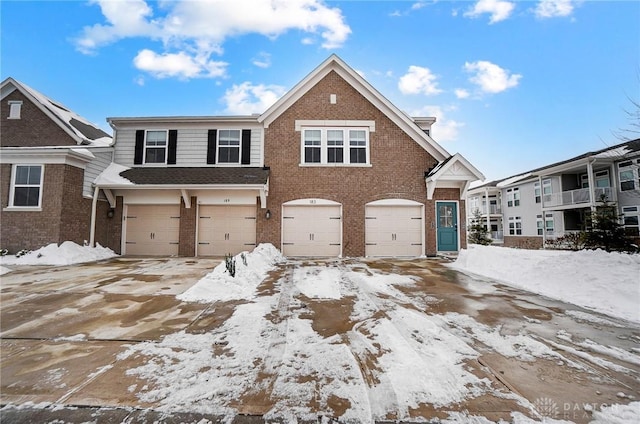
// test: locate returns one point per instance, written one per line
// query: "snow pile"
(618, 414)
(68, 253)
(4, 270)
(608, 283)
(218, 285)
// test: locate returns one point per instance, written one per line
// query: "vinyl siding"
(191, 147)
(94, 168)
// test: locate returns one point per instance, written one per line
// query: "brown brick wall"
(34, 128)
(397, 171)
(188, 219)
(523, 242)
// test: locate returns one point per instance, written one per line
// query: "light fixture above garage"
(267, 214)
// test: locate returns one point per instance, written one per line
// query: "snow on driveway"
(339, 339)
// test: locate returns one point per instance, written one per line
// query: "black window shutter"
(246, 147)
(139, 150)
(212, 146)
(173, 145)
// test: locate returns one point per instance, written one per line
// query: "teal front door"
(447, 219)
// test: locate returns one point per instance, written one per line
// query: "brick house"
(331, 169)
(49, 157)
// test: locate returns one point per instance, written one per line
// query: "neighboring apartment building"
(331, 169)
(49, 157)
(549, 202)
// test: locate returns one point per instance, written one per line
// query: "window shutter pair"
(171, 152)
(245, 148)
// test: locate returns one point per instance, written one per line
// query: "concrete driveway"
(94, 341)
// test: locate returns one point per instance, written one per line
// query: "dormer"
(424, 123)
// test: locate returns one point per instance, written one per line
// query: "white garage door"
(311, 230)
(393, 230)
(152, 230)
(226, 229)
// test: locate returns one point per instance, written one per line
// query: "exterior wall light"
(111, 212)
(267, 214)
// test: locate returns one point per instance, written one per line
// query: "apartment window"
(358, 146)
(515, 226)
(631, 216)
(155, 147)
(26, 186)
(335, 146)
(15, 107)
(629, 176)
(326, 146)
(601, 178)
(548, 223)
(537, 191)
(312, 146)
(513, 197)
(228, 146)
(539, 225)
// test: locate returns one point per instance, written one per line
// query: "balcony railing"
(493, 210)
(497, 236)
(574, 197)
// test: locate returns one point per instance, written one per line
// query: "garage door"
(393, 230)
(311, 230)
(226, 229)
(152, 230)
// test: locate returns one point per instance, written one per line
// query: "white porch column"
(592, 183)
(94, 207)
(486, 196)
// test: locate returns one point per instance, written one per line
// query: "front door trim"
(457, 216)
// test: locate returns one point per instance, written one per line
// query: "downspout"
(94, 207)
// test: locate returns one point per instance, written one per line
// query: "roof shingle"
(196, 176)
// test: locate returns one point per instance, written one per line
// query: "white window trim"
(635, 173)
(631, 211)
(11, 207)
(511, 197)
(166, 147)
(15, 107)
(515, 220)
(346, 146)
(239, 147)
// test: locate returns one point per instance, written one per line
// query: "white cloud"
(498, 9)
(554, 8)
(199, 29)
(443, 129)
(246, 98)
(461, 93)
(180, 65)
(418, 80)
(490, 77)
(263, 60)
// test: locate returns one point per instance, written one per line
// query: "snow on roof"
(513, 180)
(73, 122)
(111, 176)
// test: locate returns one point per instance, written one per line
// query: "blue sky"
(514, 84)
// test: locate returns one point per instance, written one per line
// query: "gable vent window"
(15, 108)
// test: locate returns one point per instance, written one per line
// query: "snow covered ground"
(608, 283)
(67, 253)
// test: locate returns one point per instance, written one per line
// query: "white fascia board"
(184, 186)
(116, 122)
(457, 158)
(38, 155)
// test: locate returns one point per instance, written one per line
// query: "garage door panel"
(393, 230)
(226, 230)
(152, 230)
(311, 230)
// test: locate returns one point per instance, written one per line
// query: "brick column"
(188, 218)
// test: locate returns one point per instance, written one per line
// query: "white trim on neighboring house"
(334, 63)
(455, 172)
(64, 155)
(12, 186)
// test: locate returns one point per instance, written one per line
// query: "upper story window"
(513, 197)
(629, 175)
(334, 146)
(229, 146)
(15, 107)
(155, 147)
(546, 189)
(601, 178)
(26, 186)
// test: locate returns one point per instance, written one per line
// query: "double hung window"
(26, 186)
(229, 146)
(631, 215)
(515, 226)
(629, 175)
(513, 197)
(155, 147)
(335, 146)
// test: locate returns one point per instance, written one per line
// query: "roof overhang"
(78, 157)
(455, 172)
(115, 122)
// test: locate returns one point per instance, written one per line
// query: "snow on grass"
(67, 253)
(585, 316)
(618, 414)
(4, 270)
(219, 285)
(608, 283)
